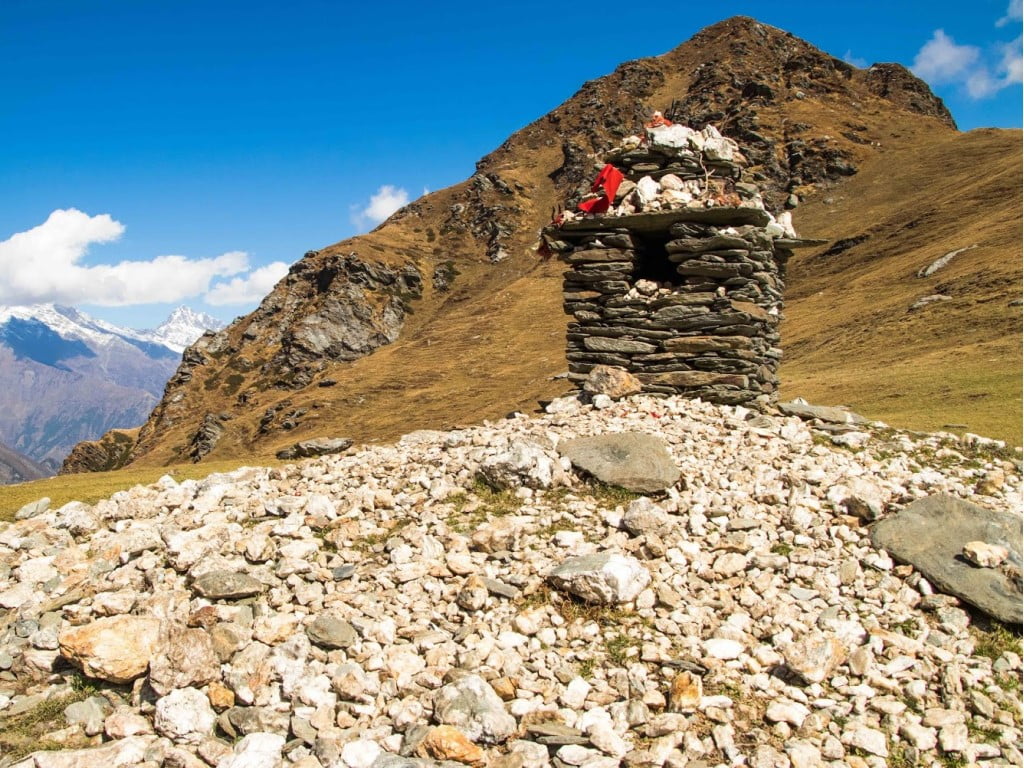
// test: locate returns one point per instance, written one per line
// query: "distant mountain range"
(67, 377)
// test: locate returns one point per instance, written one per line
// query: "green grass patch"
(609, 496)
(618, 647)
(24, 733)
(993, 640)
(490, 503)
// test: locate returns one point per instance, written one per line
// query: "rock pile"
(464, 596)
(681, 284)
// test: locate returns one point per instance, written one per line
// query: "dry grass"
(849, 337)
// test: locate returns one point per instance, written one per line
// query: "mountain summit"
(182, 327)
(445, 313)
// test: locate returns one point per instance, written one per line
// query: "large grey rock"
(319, 446)
(331, 632)
(631, 460)
(930, 534)
(603, 577)
(226, 585)
(828, 413)
(472, 706)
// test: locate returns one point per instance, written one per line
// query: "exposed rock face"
(361, 307)
(206, 437)
(321, 446)
(897, 84)
(329, 308)
(111, 451)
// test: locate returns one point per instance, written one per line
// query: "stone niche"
(687, 300)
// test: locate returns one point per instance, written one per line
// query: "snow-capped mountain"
(67, 377)
(183, 327)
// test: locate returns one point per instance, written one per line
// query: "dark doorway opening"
(652, 259)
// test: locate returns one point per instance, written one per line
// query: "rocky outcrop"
(897, 84)
(329, 308)
(357, 306)
(110, 452)
(320, 446)
(206, 437)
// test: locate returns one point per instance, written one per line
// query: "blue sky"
(160, 153)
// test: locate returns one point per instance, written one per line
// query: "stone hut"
(680, 282)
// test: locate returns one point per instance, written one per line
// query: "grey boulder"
(826, 413)
(632, 460)
(472, 706)
(331, 632)
(930, 534)
(603, 577)
(226, 585)
(320, 446)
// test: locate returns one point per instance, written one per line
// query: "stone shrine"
(680, 281)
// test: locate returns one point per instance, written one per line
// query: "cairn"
(680, 279)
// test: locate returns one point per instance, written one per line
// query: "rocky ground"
(469, 596)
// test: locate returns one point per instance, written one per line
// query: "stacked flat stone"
(679, 150)
(686, 296)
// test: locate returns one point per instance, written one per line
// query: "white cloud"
(1014, 12)
(386, 201)
(247, 290)
(980, 84)
(941, 60)
(1011, 67)
(43, 265)
(856, 61)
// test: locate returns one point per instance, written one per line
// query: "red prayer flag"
(607, 182)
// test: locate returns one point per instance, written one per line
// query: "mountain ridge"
(18, 468)
(448, 302)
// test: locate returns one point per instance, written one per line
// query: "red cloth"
(607, 182)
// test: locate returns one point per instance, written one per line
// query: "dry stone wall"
(681, 282)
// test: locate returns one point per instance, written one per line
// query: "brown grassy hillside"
(492, 340)
(849, 336)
